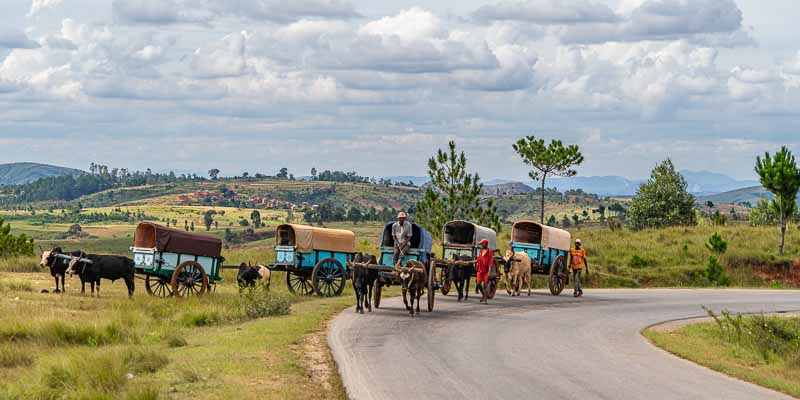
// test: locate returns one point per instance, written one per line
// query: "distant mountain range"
(700, 183)
(24, 172)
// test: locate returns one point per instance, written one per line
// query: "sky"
(379, 86)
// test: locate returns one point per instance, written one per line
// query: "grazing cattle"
(105, 267)
(248, 275)
(413, 281)
(461, 275)
(518, 272)
(58, 266)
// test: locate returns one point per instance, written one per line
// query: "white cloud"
(282, 11)
(158, 12)
(717, 22)
(546, 12)
(224, 58)
(38, 6)
(15, 39)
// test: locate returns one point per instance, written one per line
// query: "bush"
(175, 340)
(638, 262)
(201, 318)
(55, 333)
(715, 273)
(769, 337)
(258, 302)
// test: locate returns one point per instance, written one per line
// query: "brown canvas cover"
(536, 233)
(154, 236)
(307, 238)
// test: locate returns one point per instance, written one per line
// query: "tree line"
(99, 178)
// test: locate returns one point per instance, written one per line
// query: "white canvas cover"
(536, 233)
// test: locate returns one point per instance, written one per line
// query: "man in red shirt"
(484, 262)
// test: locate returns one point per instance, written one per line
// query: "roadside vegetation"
(761, 349)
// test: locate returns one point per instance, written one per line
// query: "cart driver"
(578, 262)
(401, 233)
(484, 262)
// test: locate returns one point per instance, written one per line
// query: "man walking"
(484, 262)
(401, 232)
(578, 262)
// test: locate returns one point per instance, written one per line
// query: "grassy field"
(759, 349)
(73, 346)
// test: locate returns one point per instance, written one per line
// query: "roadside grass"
(764, 350)
(73, 346)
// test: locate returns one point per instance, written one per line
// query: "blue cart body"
(314, 259)
(543, 244)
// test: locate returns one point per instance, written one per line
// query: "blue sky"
(377, 87)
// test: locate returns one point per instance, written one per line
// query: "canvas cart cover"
(308, 238)
(536, 233)
(467, 233)
(153, 236)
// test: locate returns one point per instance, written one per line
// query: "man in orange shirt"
(578, 262)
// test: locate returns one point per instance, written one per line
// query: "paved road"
(541, 347)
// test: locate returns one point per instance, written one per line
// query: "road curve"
(542, 347)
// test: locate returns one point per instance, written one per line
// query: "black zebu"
(364, 280)
(413, 280)
(92, 267)
(58, 265)
(461, 275)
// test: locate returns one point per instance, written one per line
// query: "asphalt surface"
(541, 347)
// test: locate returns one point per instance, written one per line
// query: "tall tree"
(779, 175)
(662, 201)
(453, 193)
(548, 160)
(213, 173)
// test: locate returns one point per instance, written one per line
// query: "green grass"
(759, 349)
(115, 347)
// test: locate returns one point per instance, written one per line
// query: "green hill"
(749, 194)
(19, 173)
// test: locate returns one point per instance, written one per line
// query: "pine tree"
(548, 160)
(453, 194)
(780, 176)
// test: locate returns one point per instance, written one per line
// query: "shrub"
(715, 273)
(769, 337)
(201, 318)
(258, 302)
(175, 340)
(614, 225)
(716, 244)
(141, 361)
(638, 262)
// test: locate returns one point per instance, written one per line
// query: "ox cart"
(176, 262)
(314, 259)
(547, 247)
(420, 249)
(460, 245)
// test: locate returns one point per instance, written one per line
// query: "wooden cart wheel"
(558, 275)
(445, 289)
(189, 279)
(376, 297)
(299, 284)
(328, 278)
(157, 286)
(431, 286)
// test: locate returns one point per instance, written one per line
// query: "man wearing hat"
(578, 262)
(484, 263)
(401, 232)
